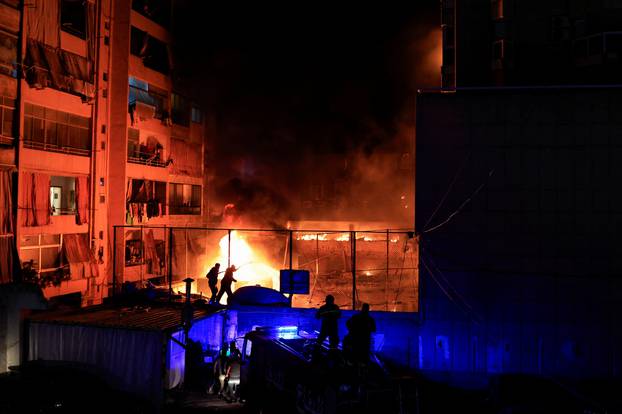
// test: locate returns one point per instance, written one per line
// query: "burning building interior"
(444, 178)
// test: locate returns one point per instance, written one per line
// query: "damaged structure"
(94, 133)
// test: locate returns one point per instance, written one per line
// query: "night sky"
(282, 86)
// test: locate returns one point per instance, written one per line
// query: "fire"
(320, 237)
(252, 269)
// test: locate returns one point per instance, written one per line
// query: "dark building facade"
(517, 42)
(518, 217)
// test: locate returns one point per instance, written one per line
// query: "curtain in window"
(7, 258)
(42, 19)
(82, 200)
(35, 199)
(6, 204)
(80, 258)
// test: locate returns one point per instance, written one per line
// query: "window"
(52, 130)
(157, 10)
(147, 199)
(197, 115)
(153, 51)
(44, 250)
(184, 199)
(7, 115)
(180, 110)
(141, 91)
(73, 17)
(133, 250)
(498, 49)
(8, 54)
(62, 195)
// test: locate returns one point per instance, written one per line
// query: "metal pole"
(317, 255)
(170, 264)
(229, 249)
(142, 255)
(291, 249)
(353, 256)
(114, 261)
(386, 281)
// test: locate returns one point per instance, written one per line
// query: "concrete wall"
(15, 302)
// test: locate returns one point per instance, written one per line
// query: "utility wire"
(451, 185)
(464, 203)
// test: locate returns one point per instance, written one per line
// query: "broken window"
(73, 17)
(133, 248)
(180, 110)
(145, 199)
(44, 250)
(157, 10)
(153, 52)
(184, 199)
(8, 54)
(143, 95)
(52, 130)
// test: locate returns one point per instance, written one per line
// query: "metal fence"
(375, 267)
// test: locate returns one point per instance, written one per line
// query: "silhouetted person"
(193, 365)
(212, 281)
(225, 283)
(360, 327)
(329, 314)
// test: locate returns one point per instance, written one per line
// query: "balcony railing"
(145, 158)
(56, 148)
(6, 141)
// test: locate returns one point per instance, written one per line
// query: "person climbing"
(212, 281)
(225, 283)
(329, 314)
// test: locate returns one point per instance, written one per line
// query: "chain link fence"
(375, 267)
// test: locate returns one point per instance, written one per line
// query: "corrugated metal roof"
(161, 318)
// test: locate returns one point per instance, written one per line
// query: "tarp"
(257, 295)
(82, 199)
(80, 258)
(133, 357)
(42, 19)
(48, 66)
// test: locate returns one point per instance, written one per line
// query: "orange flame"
(252, 268)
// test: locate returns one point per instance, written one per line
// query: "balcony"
(64, 149)
(146, 158)
(150, 154)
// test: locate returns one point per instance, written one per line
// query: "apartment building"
(518, 42)
(94, 134)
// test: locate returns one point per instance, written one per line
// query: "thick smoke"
(311, 117)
